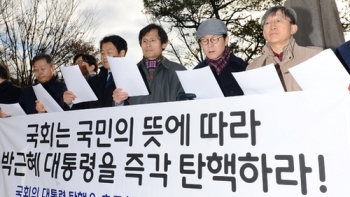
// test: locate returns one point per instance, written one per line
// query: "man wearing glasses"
(44, 71)
(157, 71)
(279, 26)
(212, 37)
(87, 65)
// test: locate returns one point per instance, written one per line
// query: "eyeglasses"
(79, 62)
(151, 40)
(277, 21)
(213, 40)
(42, 69)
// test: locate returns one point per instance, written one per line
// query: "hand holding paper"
(12, 109)
(201, 82)
(77, 84)
(262, 80)
(45, 98)
(324, 70)
(126, 75)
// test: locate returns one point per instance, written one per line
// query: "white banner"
(288, 144)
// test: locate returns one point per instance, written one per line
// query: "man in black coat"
(44, 70)
(213, 38)
(343, 54)
(103, 83)
(9, 93)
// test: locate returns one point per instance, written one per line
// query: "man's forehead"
(151, 33)
(276, 14)
(108, 45)
(41, 63)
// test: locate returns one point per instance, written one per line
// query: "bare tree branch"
(240, 16)
(55, 27)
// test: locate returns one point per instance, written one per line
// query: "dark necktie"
(109, 79)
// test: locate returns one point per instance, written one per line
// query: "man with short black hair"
(44, 71)
(102, 84)
(158, 72)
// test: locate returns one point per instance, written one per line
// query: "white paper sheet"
(126, 75)
(12, 109)
(200, 82)
(76, 83)
(45, 98)
(262, 80)
(324, 70)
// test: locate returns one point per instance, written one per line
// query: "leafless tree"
(344, 14)
(182, 18)
(55, 27)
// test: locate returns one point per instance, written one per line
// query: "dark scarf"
(220, 63)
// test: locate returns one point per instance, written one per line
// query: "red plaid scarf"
(151, 66)
(220, 63)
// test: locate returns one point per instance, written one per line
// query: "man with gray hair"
(279, 26)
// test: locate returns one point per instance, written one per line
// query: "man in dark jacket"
(343, 53)
(212, 36)
(157, 71)
(102, 84)
(44, 70)
(9, 93)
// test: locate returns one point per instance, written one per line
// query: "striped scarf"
(219, 64)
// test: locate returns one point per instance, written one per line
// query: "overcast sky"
(123, 18)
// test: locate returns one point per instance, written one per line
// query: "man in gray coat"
(157, 71)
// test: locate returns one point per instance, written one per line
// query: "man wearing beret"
(212, 37)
